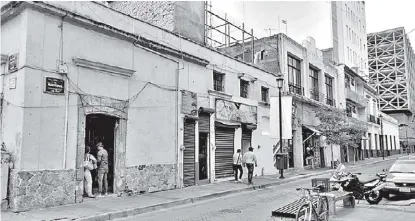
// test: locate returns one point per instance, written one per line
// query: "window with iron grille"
(218, 84)
(314, 84)
(329, 90)
(244, 88)
(294, 75)
(264, 94)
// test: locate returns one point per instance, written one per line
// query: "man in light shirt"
(237, 165)
(249, 160)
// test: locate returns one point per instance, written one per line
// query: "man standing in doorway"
(102, 159)
(237, 165)
(249, 160)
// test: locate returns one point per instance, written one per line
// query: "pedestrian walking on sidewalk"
(90, 163)
(237, 165)
(249, 160)
(102, 169)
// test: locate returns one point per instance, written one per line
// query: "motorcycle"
(368, 189)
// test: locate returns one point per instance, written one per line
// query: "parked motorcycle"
(368, 189)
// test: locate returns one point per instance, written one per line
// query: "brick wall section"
(270, 45)
(158, 13)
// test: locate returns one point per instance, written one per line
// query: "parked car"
(401, 178)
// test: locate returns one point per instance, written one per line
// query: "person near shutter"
(102, 169)
(237, 165)
(249, 160)
(87, 173)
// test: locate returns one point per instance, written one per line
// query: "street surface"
(257, 205)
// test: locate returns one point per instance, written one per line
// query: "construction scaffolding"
(222, 33)
(391, 69)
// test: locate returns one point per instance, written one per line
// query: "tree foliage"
(339, 129)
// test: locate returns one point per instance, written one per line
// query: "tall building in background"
(392, 72)
(348, 20)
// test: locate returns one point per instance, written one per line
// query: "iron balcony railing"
(356, 97)
(330, 101)
(372, 118)
(296, 89)
(316, 95)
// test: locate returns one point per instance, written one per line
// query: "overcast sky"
(312, 18)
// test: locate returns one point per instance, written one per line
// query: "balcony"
(356, 98)
(371, 118)
(296, 89)
(330, 101)
(315, 95)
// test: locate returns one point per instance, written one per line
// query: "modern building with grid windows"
(392, 73)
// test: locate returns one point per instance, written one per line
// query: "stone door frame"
(90, 104)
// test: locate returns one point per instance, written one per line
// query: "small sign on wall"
(54, 85)
(13, 62)
(12, 83)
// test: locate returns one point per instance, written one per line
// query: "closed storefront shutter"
(189, 153)
(204, 123)
(224, 152)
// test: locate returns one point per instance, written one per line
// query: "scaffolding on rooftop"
(222, 33)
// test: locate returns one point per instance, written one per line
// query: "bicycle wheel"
(324, 209)
(306, 213)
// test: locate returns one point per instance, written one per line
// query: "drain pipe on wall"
(65, 75)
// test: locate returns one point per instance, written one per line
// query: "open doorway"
(100, 128)
(203, 157)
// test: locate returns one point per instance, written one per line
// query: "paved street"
(257, 205)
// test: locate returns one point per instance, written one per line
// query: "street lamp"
(280, 84)
(382, 141)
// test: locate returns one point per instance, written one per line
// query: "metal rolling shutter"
(189, 153)
(224, 152)
(204, 123)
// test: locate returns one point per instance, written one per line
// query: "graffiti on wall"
(231, 111)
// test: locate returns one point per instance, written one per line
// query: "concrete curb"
(147, 209)
(381, 207)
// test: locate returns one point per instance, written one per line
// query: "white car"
(401, 178)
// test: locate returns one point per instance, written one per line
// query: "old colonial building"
(170, 111)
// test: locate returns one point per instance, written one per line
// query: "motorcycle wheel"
(373, 198)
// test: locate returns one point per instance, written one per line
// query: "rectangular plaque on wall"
(54, 85)
(13, 62)
(189, 103)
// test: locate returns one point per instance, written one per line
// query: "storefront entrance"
(101, 128)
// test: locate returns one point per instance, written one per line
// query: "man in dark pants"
(250, 159)
(237, 165)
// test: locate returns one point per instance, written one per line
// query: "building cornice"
(12, 9)
(103, 67)
(219, 94)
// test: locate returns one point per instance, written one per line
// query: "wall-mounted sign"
(54, 85)
(189, 103)
(13, 62)
(231, 111)
(12, 83)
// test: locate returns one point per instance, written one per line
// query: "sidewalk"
(117, 207)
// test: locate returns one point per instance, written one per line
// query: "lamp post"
(382, 141)
(280, 84)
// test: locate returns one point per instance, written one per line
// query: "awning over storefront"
(191, 117)
(317, 132)
(249, 126)
(227, 124)
(206, 110)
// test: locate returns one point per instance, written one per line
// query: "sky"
(312, 18)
